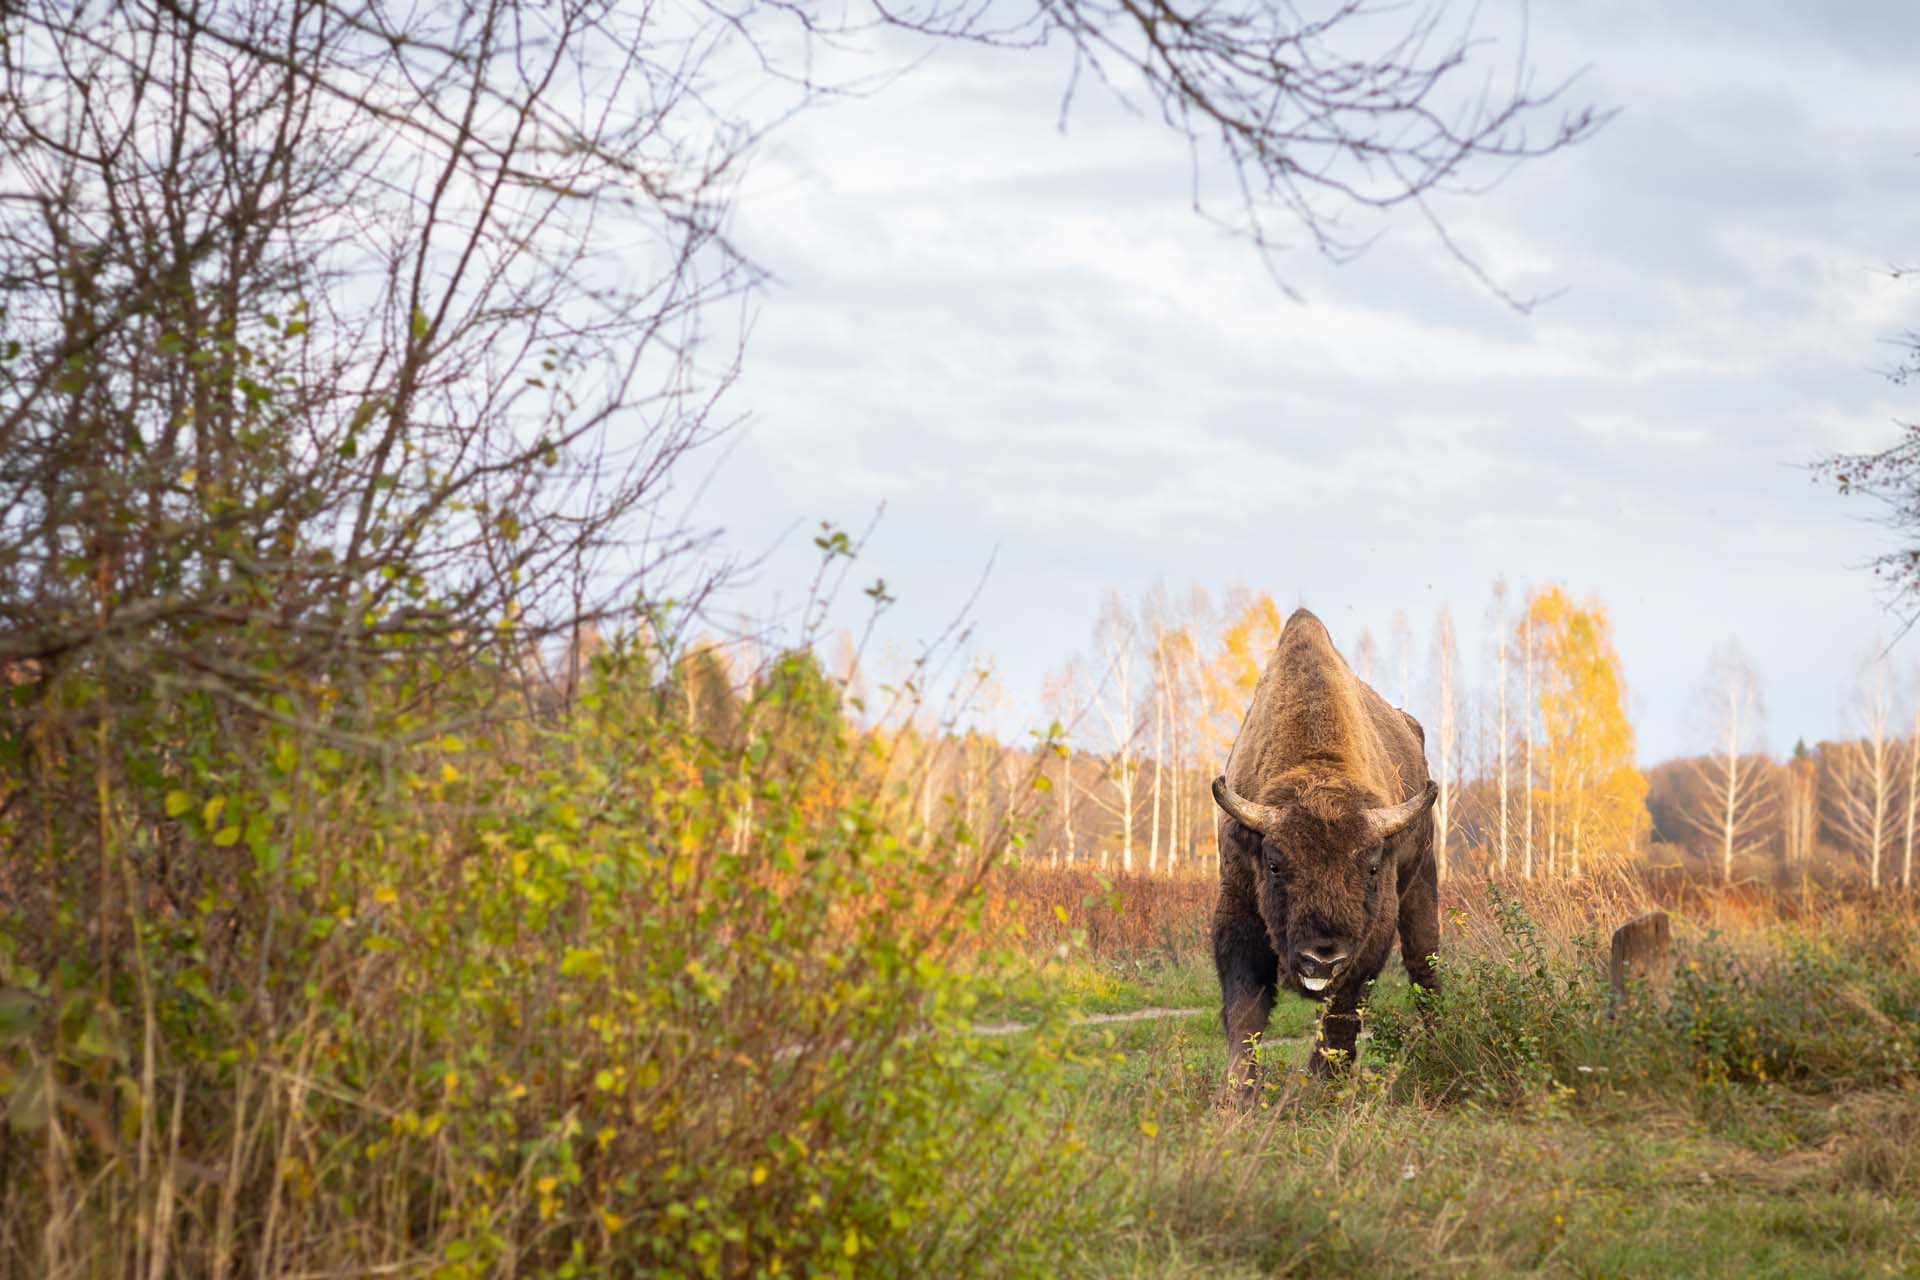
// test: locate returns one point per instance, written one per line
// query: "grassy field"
(1766, 1124)
(1367, 1177)
(608, 999)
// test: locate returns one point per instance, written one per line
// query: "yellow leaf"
(178, 802)
(546, 1185)
(386, 895)
(759, 1174)
(1149, 1128)
(611, 1221)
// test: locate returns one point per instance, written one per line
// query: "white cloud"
(1027, 341)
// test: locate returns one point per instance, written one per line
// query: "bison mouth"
(1320, 964)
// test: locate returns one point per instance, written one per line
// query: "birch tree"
(1248, 634)
(1912, 752)
(1737, 801)
(1168, 643)
(1596, 797)
(1062, 697)
(1526, 666)
(1800, 809)
(1446, 736)
(1366, 656)
(1865, 771)
(1400, 637)
(1502, 740)
(1116, 702)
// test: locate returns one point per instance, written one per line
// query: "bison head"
(1323, 870)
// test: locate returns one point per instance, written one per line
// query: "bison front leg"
(1336, 1040)
(1248, 969)
(1420, 930)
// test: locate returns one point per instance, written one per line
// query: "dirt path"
(1135, 1015)
(1087, 1020)
(1090, 1020)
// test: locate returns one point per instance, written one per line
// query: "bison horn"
(1264, 818)
(1392, 820)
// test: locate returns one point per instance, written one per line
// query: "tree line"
(1529, 741)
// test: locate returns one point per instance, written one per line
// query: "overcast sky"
(1025, 343)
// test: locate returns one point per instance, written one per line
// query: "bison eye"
(1273, 865)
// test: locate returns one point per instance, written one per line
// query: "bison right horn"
(1264, 818)
(1392, 820)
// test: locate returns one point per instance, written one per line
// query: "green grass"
(1766, 1123)
(1331, 1179)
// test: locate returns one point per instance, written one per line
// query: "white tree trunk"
(1867, 769)
(1500, 683)
(1448, 732)
(1066, 797)
(1526, 664)
(1913, 800)
(1159, 754)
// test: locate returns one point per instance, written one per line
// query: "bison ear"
(1264, 818)
(1390, 821)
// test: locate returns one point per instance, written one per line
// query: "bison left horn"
(1392, 820)
(1264, 818)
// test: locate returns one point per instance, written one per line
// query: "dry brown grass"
(1143, 916)
(1119, 915)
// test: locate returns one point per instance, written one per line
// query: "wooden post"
(1642, 951)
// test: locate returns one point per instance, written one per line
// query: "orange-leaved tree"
(1247, 639)
(1593, 799)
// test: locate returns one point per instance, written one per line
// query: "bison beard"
(1326, 848)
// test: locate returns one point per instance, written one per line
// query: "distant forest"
(1530, 743)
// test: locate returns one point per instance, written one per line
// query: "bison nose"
(1320, 959)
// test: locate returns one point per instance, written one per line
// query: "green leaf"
(27, 1106)
(17, 1009)
(226, 835)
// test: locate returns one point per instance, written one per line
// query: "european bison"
(1326, 847)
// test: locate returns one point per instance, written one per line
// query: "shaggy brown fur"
(1323, 748)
